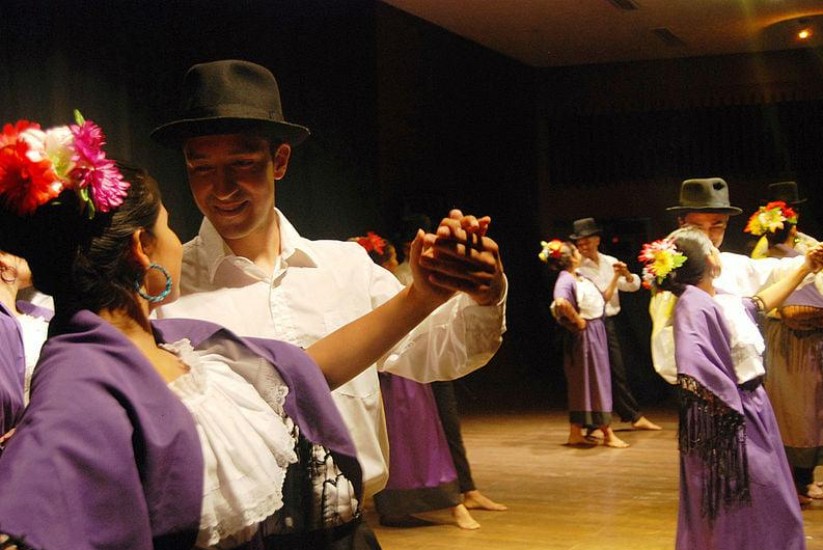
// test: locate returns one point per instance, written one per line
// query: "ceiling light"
(804, 34)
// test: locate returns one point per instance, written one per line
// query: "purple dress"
(736, 491)
(586, 358)
(422, 476)
(106, 456)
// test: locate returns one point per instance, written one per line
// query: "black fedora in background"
(785, 191)
(584, 227)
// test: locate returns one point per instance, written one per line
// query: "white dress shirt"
(601, 274)
(317, 287)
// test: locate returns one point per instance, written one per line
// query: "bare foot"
(458, 515)
(644, 423)
(615, 442)
(463, 518)
(475, 500)
(814, 491)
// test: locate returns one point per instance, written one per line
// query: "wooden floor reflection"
(563, 498)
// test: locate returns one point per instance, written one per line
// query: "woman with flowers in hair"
(794, 355)
(735, 486)
(579, 307)
(423, 487)
(166, 434)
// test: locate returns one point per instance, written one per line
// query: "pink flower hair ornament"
(372, 242)
(770, 218)
(552, 249)
(37, 165)
(660, 258)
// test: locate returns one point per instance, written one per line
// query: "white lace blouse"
(241, 488)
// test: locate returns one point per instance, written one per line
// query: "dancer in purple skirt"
(579, 307)
(736, 490)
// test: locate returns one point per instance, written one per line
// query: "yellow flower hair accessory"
(660, 258)
(551, 249)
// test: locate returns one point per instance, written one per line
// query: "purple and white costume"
(736, 491)
(107, 456)
(586, 353)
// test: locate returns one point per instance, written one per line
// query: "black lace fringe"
(717, 435)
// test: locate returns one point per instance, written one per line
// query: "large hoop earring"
(153, 298)
(8, 274)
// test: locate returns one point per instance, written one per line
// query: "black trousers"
(625, 405)
(450, 419)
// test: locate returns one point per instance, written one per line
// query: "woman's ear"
(141, 248)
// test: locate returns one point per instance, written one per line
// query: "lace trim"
(716, 434)
(272, 390)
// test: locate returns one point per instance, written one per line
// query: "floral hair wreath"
(660, 258)
(372, 242)
(37, 165)
(770, 218)
(552, 249)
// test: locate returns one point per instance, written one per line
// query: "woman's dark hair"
(696, 246)
(380, 259)
(779, 236)
(85, 263)
(564, 260)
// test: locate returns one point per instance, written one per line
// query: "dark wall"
(457, 128)
(121, 64)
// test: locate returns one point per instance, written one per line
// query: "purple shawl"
(106, 456)
(702, 345)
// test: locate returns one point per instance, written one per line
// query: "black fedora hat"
(584, 227)
(227, 97)
(710, 195)
(785, 191)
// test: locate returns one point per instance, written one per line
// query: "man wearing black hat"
(704, 203)
(250, 269)
(600, 269)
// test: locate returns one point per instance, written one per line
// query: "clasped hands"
(458, 257)
(814, 258)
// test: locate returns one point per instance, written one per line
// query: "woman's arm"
(612, 288)
(774, 295)
(567, 315)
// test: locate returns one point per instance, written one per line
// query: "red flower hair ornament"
(37, 165)
(372, 242)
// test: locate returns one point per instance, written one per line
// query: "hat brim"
(790, 203)
(730, 210)
(174, 134)
(574, 237)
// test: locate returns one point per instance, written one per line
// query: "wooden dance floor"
(563, 498)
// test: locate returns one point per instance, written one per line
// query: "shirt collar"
(294, 249)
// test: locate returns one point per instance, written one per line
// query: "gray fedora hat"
(584, 227)
(228, 97)
(709, 195)
(785, 191)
